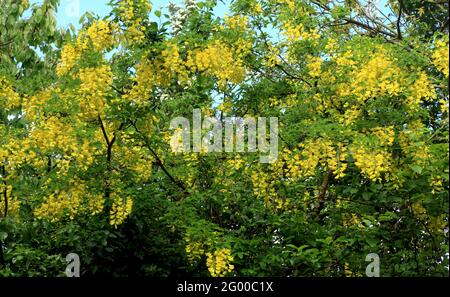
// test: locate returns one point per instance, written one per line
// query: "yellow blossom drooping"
(13, 204)
(314, 65)
(421, 89)
(132, 13)
(385, 135)
(120, 210)
(96, 204)
(144, 83)
(60, 204)
(137, 159)
(194, 250)
(95, 84)
(217, 59)
(101, 35)
(264, 188)
(372, 163)
(441, 56)
(8, 97)
(237, 23)
(69, 56)
(378, 77)
(411, 141)
(303, 162)
(172, 65)
(295, 33)
(219, 262)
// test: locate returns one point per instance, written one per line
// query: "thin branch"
(160, 163)
(105, 135)
(399, 31)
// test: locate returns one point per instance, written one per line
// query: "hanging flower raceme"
(219, 262)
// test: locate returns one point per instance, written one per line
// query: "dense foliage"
(361, 95)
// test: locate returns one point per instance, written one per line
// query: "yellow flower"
(421, 89)
(314, 65)
(219, 60)
(7, 93)
(372, 163)
(120, 210)
(219, 262)
(95, 84)
(101, 35)
(441, 56)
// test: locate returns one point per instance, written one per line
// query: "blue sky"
(70, 11)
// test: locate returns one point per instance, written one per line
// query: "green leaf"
(416, 168)
(3, 235)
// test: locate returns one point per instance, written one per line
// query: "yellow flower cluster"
(219, 262)
(96, 204)
(419, 211)
(260, 183)
(71, 53)
(172, 65)
(441, 56)
(437, 224)
(371, 162)
(350, 115)
(25, 3)
(101, 34)
(62, 204)
(272, 58)
(217, 59)
(95, 84)
(314, 65)
(385, 135)
(421, 89)
(132, 13)
(144, 83)
(283, 102)
(13, 202)
(7, 94)
(377, 77)
(264, 187)
(294, 33)
(237, 23)
(236, 163)
(69, 56)
(436, 184)
(290, 4)
(120, 210)
(34, 105)
(351, 220)
(51, 135)
(136, 158)
(257, 9)
(345, 59)
(194, 250)
(303, 162)
(168, 66)
(332, 45)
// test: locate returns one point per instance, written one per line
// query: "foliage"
(360, 93)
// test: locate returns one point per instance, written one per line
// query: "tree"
(360, 94)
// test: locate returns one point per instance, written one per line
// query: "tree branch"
(399, 31)
(159, 162)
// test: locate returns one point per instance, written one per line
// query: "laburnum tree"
(361, 95)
